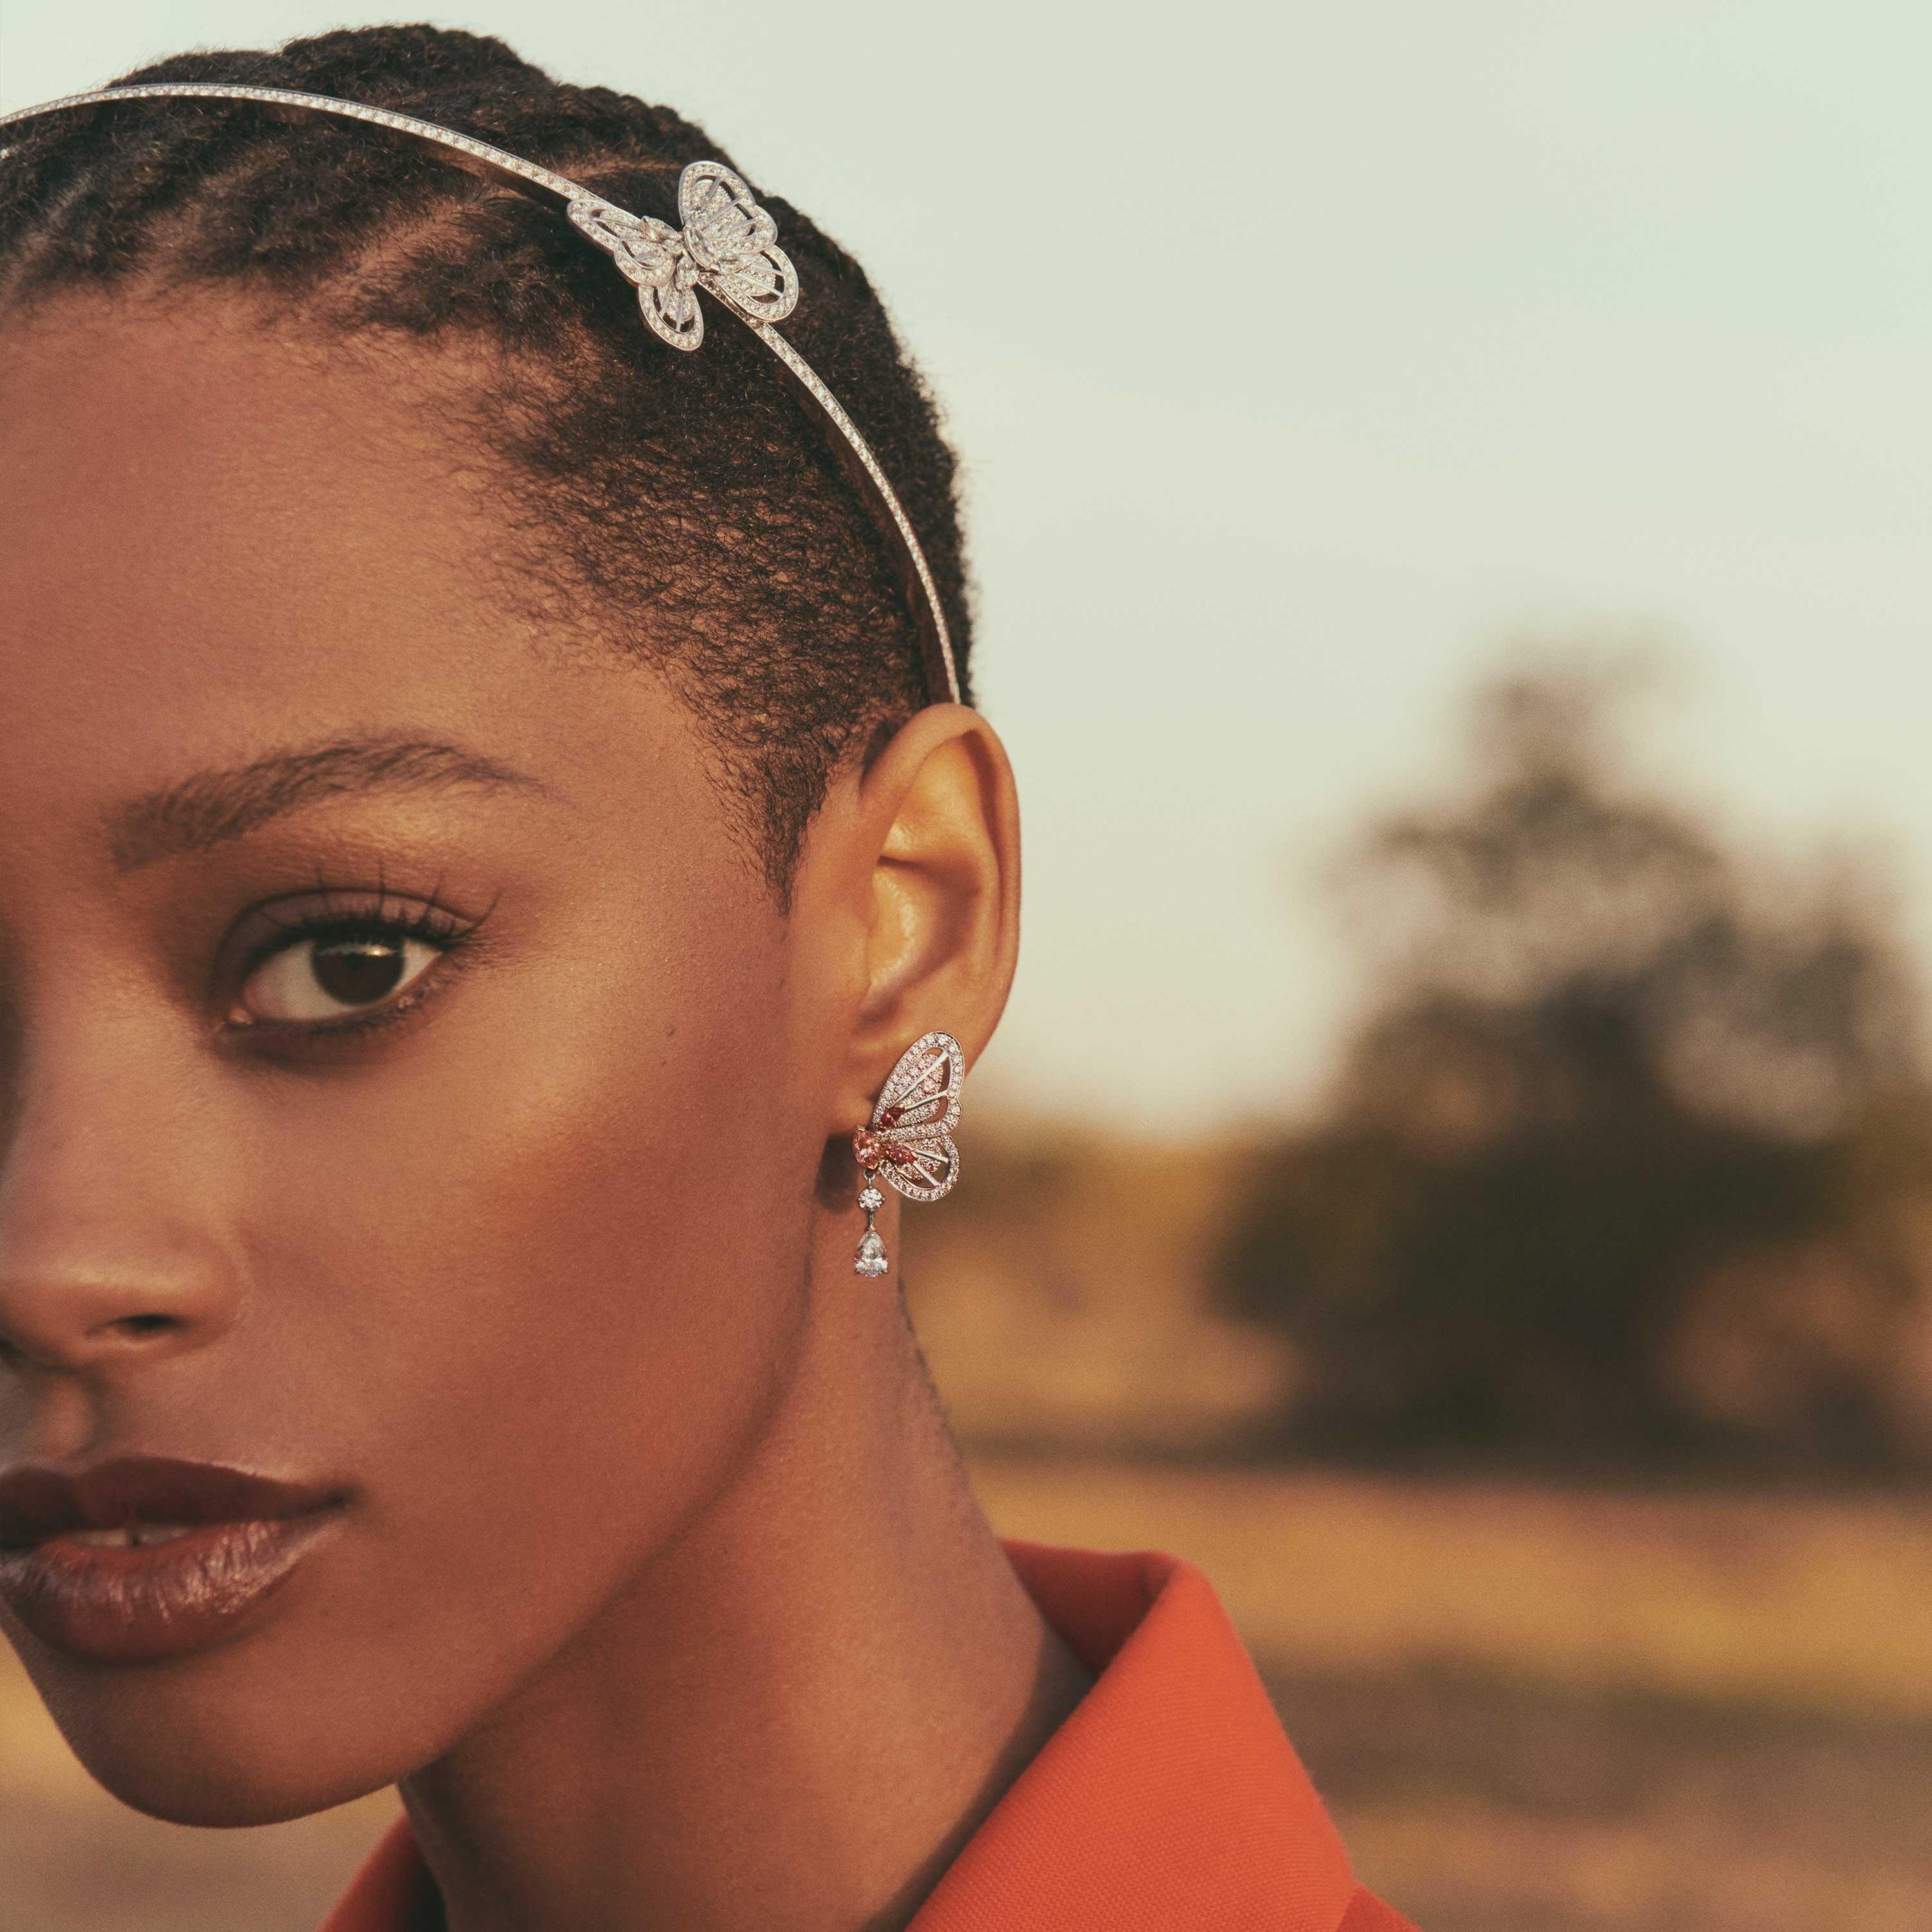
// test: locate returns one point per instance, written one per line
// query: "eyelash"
(428, 921)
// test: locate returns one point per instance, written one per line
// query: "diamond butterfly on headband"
(909, 1140)
(729, 245)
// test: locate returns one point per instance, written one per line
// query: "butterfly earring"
(909, 1139)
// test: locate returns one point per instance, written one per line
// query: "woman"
(484, 818)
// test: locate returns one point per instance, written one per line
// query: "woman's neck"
(795, 1717)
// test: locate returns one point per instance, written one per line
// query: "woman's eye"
(328, 978)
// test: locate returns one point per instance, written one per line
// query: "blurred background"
(1448, 490)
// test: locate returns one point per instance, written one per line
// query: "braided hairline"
(692, 516)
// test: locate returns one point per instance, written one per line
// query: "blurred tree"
(1596, 1181)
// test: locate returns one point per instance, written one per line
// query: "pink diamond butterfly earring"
(909, 1138)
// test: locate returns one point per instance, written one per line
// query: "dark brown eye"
(359, 972)
(325, 979)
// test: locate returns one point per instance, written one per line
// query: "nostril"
(75, 1297)
(79, 1345)
(139, 1327)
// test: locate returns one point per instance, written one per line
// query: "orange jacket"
(1170, 1799)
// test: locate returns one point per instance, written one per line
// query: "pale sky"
(1299, 354)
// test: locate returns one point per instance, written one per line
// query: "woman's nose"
(110, 1252)
(73, 1312)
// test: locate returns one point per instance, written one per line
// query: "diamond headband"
(727, 247)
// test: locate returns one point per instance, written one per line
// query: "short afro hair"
(687, 507)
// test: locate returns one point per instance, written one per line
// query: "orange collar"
(1170, 1797)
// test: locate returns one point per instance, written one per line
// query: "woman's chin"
(221, 1792)
(191, 1749)
(224, 1797)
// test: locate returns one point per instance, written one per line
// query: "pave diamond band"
(728, 246)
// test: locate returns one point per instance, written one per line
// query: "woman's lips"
(144, 1559)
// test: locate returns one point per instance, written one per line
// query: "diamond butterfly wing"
(651, 254)
(735, 243)
(918, 1108)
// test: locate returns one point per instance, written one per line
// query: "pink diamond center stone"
(870, 1151)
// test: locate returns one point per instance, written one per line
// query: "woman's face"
(402, 1094)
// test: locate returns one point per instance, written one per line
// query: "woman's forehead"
(216, 543)
(198, 454)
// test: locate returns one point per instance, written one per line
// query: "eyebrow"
(208, 809)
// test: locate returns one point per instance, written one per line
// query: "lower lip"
(157, 1600)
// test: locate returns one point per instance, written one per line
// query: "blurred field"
(1805, 1604)
(1534, 1710)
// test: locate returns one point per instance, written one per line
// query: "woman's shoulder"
(1171, 1797)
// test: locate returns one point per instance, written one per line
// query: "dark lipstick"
(142, 1559)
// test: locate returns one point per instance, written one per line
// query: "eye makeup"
(377, 958)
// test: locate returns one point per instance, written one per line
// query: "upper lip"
(37, 1502)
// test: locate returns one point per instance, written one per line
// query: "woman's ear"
(911, 878)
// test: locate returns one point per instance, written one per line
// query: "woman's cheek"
(567, 1313)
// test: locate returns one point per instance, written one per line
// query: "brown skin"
(659, 1587)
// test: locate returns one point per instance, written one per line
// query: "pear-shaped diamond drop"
(871, 1255)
